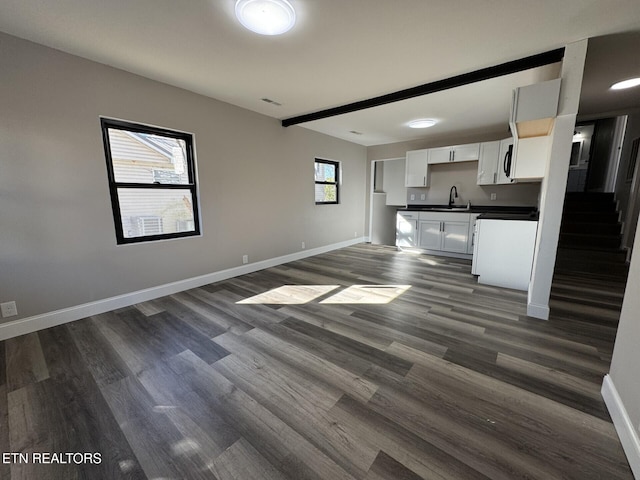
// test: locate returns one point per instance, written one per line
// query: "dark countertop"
(531, 216)
(483, 209)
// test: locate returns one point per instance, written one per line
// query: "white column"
(554, 184)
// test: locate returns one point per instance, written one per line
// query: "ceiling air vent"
(272, 102)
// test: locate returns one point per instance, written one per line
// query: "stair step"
(609, 272)
(614, 255)
(586, 217)
(589, 240)
(590, 207)
(589, 285)
(590, 227)
(590, 196)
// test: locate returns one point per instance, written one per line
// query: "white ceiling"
(340, 51)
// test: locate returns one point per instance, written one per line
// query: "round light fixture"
(422, 123)
(632, 82)
(266, 17)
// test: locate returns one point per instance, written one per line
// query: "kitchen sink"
(451, 209)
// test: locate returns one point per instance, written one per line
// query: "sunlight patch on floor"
(372, 294)
(301, 294)
(290, 295)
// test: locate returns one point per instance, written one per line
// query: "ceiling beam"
(507, 68)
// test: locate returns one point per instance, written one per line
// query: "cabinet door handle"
(495, 178)
(424, 181)
(453, 155)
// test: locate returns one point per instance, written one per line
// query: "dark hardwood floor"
(363, 363)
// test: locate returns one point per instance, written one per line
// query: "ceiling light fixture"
(266, 17)
(632, 82)
(422, 123)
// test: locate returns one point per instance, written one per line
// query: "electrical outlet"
(423, 196)
(493, 196)
(355, 234)
(303, 246)
(245, 258)
(412, 196)
(9, 309)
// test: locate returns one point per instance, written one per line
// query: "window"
(152, 182)
(327, 182)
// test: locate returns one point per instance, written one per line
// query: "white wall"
(624, 366)
(57, 239)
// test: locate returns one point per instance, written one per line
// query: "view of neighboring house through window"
(152, 181)
(327, 181)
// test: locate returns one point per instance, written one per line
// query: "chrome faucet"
(453, 194)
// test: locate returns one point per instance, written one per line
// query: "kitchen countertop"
(482, 209)
(531, 216)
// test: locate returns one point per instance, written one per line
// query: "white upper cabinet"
(533, 111)
(530, 157)
(534, 108)
(440, 155)
(495, 163)
(417, 168)
(488, 164)
(455, 153)
(466, 153)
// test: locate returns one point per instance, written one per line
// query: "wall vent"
(272, 102)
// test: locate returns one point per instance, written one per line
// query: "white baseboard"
(538, 311)
(65, 315)
(626, 431)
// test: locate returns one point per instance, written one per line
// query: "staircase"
(590, 265)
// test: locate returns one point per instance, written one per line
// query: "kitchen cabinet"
(455, 153)
(455, 236)
(533, 111)
(430, 237)
(407, 229)
(530, 158)
(446, 232)
(504, 250)
(494, 165)
(417, 168)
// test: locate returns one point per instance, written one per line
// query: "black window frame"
(108, 123)
(336, 165)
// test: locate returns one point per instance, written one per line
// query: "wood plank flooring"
(362, 363)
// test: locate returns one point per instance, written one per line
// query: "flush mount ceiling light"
(632, 82)
(422, 123)
(266, 17)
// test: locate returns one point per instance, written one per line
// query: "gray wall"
(626, 355)
(57, 240)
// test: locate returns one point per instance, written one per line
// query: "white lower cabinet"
(407, 229)
(430, 234)
(455, 236)
(435, 231)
